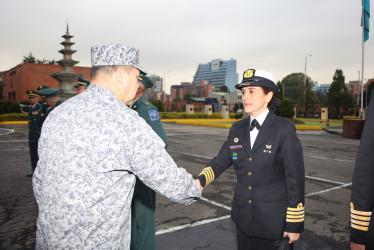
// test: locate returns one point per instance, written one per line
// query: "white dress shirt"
(260, 119)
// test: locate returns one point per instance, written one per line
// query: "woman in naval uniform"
(267, 156)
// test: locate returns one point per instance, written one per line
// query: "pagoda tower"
(66, 77)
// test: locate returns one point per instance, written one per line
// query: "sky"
(174, 36)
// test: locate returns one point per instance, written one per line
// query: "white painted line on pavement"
(5, 131)
(14, 149)
(208, 133)
(337, 142)
(197, 223)
(329, 189)
(325, 158)
(324, 180)
(194, 155)
(216, 203)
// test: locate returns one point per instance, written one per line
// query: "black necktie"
(254, 124)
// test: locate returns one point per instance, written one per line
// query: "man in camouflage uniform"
(35, 118)
(91, 148)
(143, 226)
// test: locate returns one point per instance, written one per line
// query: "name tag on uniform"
(236, 146)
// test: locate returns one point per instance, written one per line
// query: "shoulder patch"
(153, 114)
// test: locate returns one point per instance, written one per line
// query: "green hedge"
(9, 107)
(14, 117)
(196, 115)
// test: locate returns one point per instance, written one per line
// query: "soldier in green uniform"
(143, 225)
(35, 123)
(42, 101)
(81, 85)
(51, 98)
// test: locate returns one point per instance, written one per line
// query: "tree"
(177, 99)
(293, 86)
(224, 89)
(286, 109)
(308, 98)
(186, 97)
(337, 96)
(29, 59)
(158, 104)
(280, 90)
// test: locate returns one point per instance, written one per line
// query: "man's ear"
(121, 75)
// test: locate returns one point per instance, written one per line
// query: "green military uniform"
(49, 93)
(35, 118)
(143, 225)
(45, 106)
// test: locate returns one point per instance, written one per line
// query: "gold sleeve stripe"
(361, 213)
(364, 218)
(294, 216)
(296, 213)
(294, 220)
(209, 175)
(296, 209)
(359, 227)
(360, 223)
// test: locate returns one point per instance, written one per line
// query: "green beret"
(48, 93)
(41, 87)
(32, 93)
(146, 81)
(81, 82)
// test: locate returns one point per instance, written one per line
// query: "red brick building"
(28, 76)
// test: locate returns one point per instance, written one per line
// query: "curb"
(14, 122)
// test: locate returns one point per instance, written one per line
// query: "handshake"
(199, 185)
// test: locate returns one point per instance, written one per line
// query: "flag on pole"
(365, 18)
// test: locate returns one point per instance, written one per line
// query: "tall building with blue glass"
(218, 72)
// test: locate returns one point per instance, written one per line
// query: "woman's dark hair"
(273, 104)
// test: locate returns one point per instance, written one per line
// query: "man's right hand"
(198, 183)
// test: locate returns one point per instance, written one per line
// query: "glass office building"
(218, 73)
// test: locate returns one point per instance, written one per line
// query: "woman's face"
(254, 100)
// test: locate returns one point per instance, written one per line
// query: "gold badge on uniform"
(249, 73)
(236, 140)
(268, 146)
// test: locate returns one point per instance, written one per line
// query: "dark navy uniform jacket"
(269, 194)
(362, 201)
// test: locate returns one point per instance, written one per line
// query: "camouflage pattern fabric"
(88, 159)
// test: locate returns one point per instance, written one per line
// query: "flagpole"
(363, 53)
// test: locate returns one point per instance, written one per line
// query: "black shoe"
(29, 175)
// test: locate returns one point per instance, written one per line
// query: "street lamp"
(358, 89)
(306, 59)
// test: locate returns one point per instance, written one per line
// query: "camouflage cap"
(115, 54)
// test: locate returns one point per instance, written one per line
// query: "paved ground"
(329, 161)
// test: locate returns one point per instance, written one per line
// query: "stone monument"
(66, 77)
